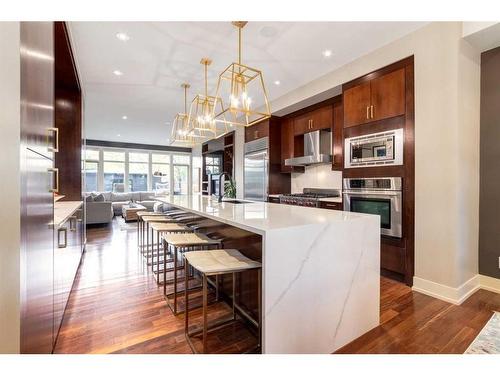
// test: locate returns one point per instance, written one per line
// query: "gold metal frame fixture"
(201, 123)
(180, 134)
(236, 84)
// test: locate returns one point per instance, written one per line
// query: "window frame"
(170, 154)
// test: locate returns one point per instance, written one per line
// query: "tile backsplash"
(317, 176)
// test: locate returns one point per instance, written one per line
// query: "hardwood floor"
(412, 322)
(116, 307)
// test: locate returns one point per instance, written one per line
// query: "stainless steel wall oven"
(378, 196)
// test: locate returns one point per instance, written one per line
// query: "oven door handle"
(373, 192)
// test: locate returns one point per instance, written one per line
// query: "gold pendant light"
(201, 123)
(242, 91)
(180, 133)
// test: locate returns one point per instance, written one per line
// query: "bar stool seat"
(161, 228)
(219, 262)
(183, 243)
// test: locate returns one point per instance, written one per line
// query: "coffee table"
(130, 213)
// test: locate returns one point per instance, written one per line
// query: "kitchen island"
(321, 270)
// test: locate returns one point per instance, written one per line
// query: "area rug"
(488, 340)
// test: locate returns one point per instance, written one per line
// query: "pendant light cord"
(239, 45)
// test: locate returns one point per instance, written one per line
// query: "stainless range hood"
(317, 149)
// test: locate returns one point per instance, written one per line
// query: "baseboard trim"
(456, 295)
(447, 293)
(489, 283)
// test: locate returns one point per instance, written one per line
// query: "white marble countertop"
(63, 210)
(257, 217)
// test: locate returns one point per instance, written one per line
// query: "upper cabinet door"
(388, 95)
(302, 124)
(357, 104)
(322, 118)
(259, 130)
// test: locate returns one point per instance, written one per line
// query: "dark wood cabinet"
(338, 137)
(331, 205)
(388, 95)
(287, 138)
(357, 101)
(321, 118)
(375, 99)
(259, 130)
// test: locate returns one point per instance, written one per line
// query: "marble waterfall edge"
(321, 285)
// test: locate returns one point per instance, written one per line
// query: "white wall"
(317, 176)
(446, 144)
(10, 172)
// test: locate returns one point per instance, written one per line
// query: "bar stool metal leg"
(205, 297)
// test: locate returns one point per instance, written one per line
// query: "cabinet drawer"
(331, 205)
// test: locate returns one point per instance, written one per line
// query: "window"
(124, 170)
(161, 172)
(212, 164)
(138, 171)
(181, 179)
(114, 171)
(91, 169)
(181, 173)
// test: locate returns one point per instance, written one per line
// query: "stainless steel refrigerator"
(256, 169)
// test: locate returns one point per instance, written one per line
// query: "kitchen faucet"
(221, 187)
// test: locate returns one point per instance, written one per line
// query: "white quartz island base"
(321, 271)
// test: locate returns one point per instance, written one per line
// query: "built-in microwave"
(374, 150)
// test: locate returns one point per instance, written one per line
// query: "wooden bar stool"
(179, 243)
(217, 263)
(162, 228)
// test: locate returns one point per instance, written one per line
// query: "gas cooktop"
(309, 197)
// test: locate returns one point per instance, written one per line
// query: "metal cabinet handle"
(72, 223)
(59, 245)
(256, 134)
(367, 112)
(371, 111)
(56, 136)
(56, 171)
(312, 124)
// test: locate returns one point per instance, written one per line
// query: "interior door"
(256, 176)
(388, 95)
(357, 101)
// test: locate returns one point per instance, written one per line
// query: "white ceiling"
(161, 55)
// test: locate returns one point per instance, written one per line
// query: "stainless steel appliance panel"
(377, 196)
(256, 175)
(37, 87)
(372, 150)
(37, 205)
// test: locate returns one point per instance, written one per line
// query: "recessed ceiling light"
(124, 117)
(327, 53)
(117, 72)
(123, 37)
(118, 135)
(277, 83)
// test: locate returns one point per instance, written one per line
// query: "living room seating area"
(101, 207)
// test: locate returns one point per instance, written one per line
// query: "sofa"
(102, 206)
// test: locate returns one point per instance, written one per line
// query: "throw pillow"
(89, 198)
(99, 198)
